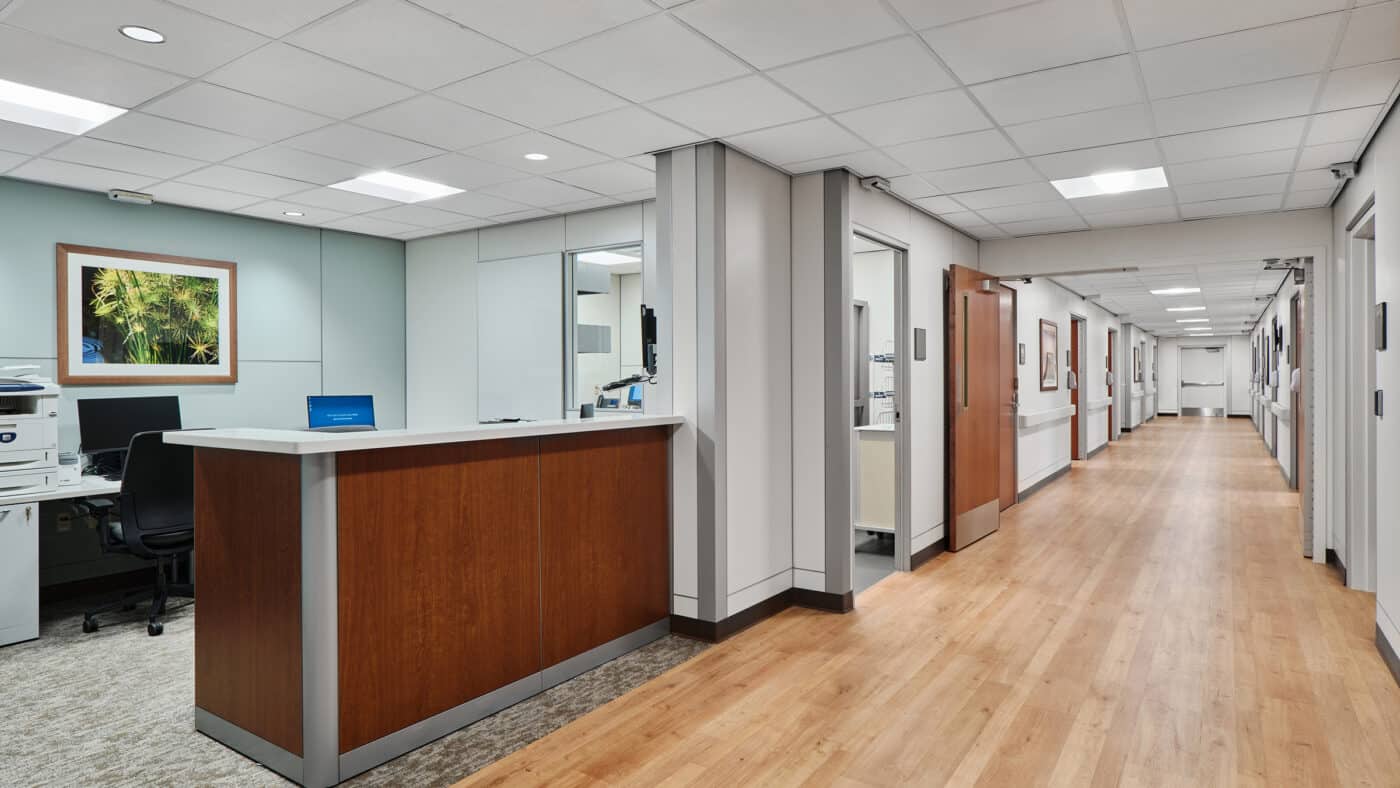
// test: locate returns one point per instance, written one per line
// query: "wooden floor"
(1145, 620)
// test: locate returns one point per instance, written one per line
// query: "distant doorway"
(1078, 437)
(1203, 391)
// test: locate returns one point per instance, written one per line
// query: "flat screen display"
(356, 410)
(108, 424)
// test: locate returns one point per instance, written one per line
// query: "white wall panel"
(522, 239)
(808, 381)
(441, 330)
(520, 337)
(604, 227)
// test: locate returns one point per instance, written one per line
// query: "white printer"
(28, 434)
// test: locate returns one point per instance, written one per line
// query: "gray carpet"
(116, 708)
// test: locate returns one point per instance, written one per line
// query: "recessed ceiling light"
(1185, 308)
(1198, 328)
(392, 186)
(293, 213)
(537, 156)
(1112, 183)
(1175, 291)
(53, 111)
(1194, 320)
(143, 34)
(611, 257)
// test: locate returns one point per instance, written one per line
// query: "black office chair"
(152, 518)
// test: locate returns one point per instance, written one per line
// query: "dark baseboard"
(115, 583)
(928, 553)
(718, 631)
(1335, 561)
(824, 600)
(1038, 486)
(1168, 413)
(1238, 416)
(1096, 451)
(1127, 429)
(1392, 660)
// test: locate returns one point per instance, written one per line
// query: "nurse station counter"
(362, 594)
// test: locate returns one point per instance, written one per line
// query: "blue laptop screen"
(344, 411)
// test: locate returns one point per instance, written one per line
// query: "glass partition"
(607, 337)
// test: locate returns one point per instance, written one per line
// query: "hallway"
(1146, 620)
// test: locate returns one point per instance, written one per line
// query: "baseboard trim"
(1168, 413)
(1092, 452)
(928, 553)
(719, 631)
(1038, 486)
(1126, 429)
(1392, 660)
(824, 600)
(1238, 416)
(1335, 561)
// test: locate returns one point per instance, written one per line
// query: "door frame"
(1358, 481)
(1114, 386)
(1015, 405)
(1079, 423)
(1295, 403)
(1225, 373)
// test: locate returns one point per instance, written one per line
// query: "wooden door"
(1074, 391)
(973, 404)
(1006, 391)
(1110, 386)
(1299, 432)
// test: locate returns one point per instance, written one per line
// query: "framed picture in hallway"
(1049, 355)
(1137, 366)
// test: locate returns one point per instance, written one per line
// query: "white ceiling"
(1233, 292)
(969, 106)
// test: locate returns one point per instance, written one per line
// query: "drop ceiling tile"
(1360, 86)
(201, 197)
(1197, 210)
(1042, 226)
(637, 196)
(299, 78)
(912, 187)
(1320, 156)
(586, 205)
(1082, 87)
(985, 232)
(276, 209)
(983, 176)
(1232, 167)
(1106, 203)
(123, 158)
(940, 205)
(1156, 24)
(169, 136)
(613, 177)
(522, 216)
(362, 146)
(871, 74)
(629, 131)
(1371, 35)
(647, 59)
(1284, 50)
(1085, 130)
(41, 62)
(20, 138)
(1008, 195)
(462, 172)
(510, 152)
(78, 176)
(863, 162)
(1282, 98)
(1309, 198)
(920, 117)
(962, 219)
(539, 192)
(1342, 125)
(769, 33)
(532, 93)
(439, 122)
(801, 141)
(232, 179)
(194, 43)
(477, 204)
(203, 104)
(1134, 217)
(1021, 213)
(712, 110)
(1306, 180)
(413, 54)
(368, 226)
(646, 162)
(417, 215)
(274, 18)
(962, 150)
(1029, 38)
(1218, 143)
(299, 165)
(340, 200)
(9, 160)
(1242, 187)
(537, 25)
(1078, 163)
(921, 13)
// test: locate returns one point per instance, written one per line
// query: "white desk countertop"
(307, 442)
(87, 487)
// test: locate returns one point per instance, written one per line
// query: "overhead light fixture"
(537, 156)
(143, 34)
(1193, 320)
(1198, 328)
(1185, 308)
(1175, 291)
(293, 213)
(53, 111)
(392, 186)
(611, 256)
(1111, 183)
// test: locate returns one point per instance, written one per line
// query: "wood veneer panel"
(439, 579)
(604, 537)
(247, 636)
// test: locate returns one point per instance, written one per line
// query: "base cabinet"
(19, 572)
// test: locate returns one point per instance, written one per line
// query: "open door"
(1007, 397)
(1111, 381)
(974, 405)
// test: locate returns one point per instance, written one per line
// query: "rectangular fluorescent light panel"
(392, 186)
(53, 111)
(606, 257)
(1111, 183)
(1198, 328)
(1194, 320)
(1185, 308)
(1176, 291)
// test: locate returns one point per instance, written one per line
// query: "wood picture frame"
(176, 318)
(1049, 355)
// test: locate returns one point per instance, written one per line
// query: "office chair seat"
(163, 541)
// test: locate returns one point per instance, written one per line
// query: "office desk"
(362, 594)
(87, 487)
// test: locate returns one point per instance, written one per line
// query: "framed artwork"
(1137, 366)
(141, 318)
(1049, 355)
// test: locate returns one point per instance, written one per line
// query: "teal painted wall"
(318, 310)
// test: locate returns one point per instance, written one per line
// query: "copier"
(28, 468)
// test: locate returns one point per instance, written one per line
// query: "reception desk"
(361, 594)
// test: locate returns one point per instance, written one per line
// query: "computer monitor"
(340, 413)
(106, 425)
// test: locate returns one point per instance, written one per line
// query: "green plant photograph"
(142, 317)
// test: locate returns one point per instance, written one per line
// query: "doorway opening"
(1202, 385)
(1078, 426)
(880, 536)
(603, 347)
(1363, 407)
(1112, 384)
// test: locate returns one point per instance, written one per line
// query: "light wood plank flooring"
(1146, 620)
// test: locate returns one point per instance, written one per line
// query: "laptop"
(340, 413)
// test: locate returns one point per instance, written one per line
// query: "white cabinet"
(19, 572)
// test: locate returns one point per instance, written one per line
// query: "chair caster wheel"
(89, 625)
(154, 628)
